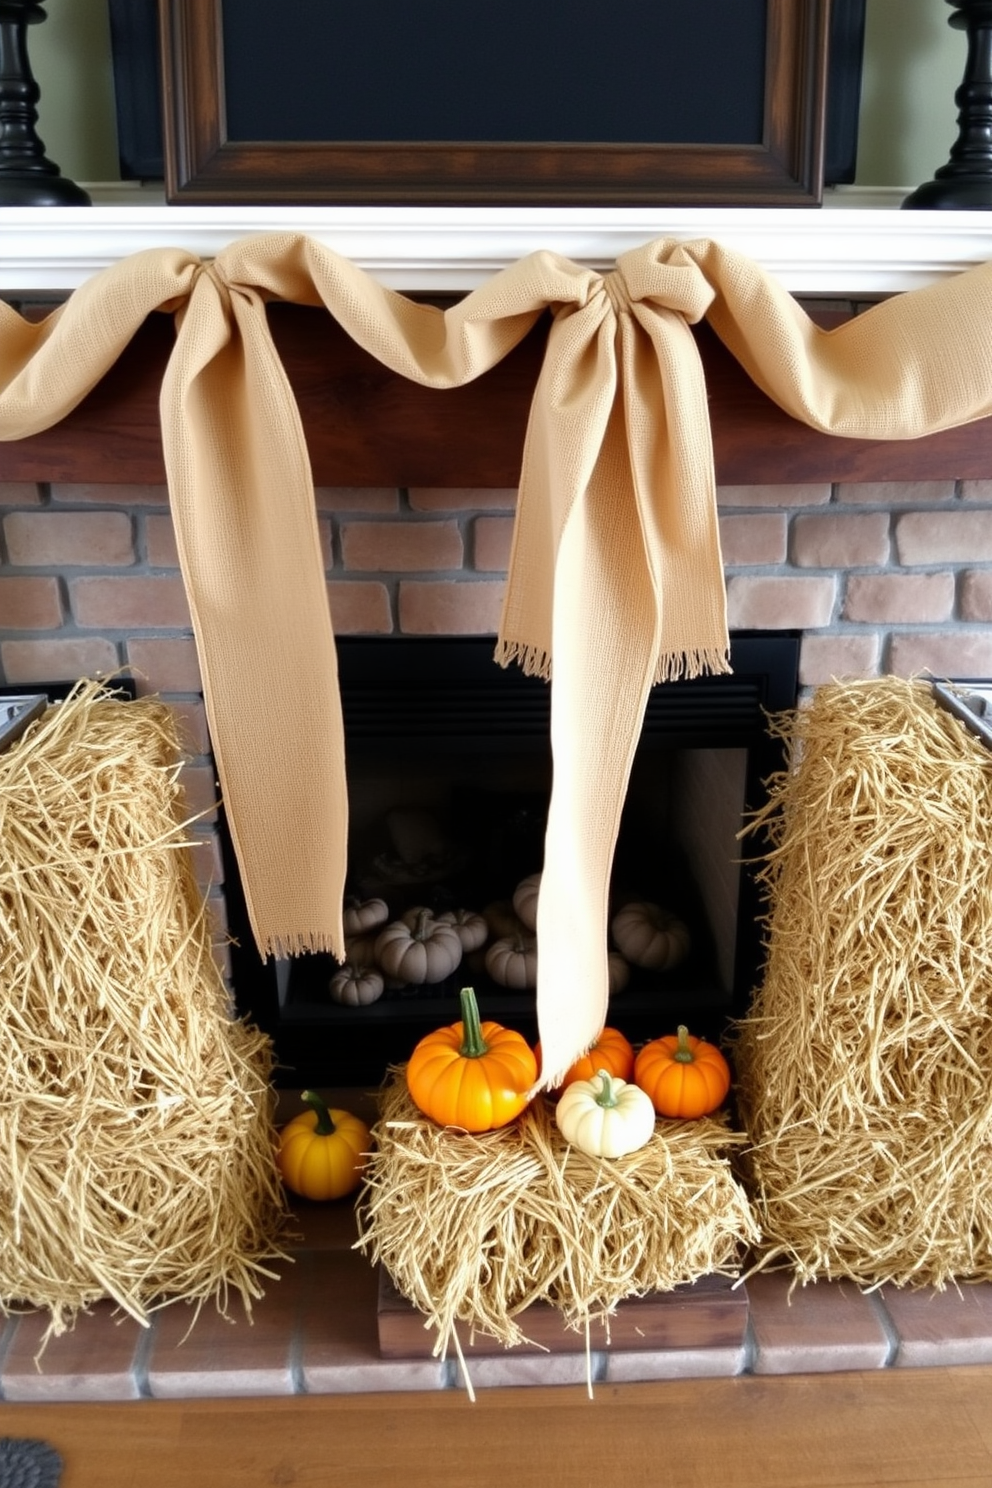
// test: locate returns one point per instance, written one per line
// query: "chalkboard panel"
(453, 70)
(714, 102)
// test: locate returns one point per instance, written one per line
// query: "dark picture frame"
(807, 137)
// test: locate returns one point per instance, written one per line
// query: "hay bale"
(136, 1138)
(476, 1228)
(865, 1065)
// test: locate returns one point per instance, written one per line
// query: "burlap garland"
(615, 578)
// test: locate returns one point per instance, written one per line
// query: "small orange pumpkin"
(323, 1151)
(612, 1052)
(684, 1076)
(471, 1074)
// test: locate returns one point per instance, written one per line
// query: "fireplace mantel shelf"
(366, 426)
(857, 245)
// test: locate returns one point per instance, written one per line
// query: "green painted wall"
(70, 57)
(913, 64)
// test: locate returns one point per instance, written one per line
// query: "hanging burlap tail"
(615, 577)
(615, 574)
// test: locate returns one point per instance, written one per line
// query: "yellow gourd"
(322, 1152)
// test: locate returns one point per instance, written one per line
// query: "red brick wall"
(879, 578)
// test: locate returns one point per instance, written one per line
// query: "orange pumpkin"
(471, 1074)
(683, 1075)
(322, 1151)
(612, 1052)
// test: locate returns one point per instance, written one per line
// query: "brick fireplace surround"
(880, 574)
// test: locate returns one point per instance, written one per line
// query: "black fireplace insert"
(449, 775)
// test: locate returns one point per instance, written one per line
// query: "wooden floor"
(900, 1428)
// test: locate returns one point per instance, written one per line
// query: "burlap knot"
(615, 575)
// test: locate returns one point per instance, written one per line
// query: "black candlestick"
(27, 177)
(965, 182)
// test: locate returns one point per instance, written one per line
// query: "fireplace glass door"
(449, 777)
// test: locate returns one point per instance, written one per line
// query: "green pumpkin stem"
(473, 1044)
(325, 1126)
(683, 1054)
(607, 1097)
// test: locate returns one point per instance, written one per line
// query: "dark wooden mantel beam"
(365, 426)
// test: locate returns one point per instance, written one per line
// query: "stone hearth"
(314, 1332)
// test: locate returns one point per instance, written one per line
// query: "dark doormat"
(28, 1464)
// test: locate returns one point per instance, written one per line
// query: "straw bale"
(865, 1064)
(475, 1228)
(136, 1135)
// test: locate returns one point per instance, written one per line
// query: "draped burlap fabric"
(615, 576)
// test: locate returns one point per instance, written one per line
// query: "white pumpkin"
(423, 952)
(471, 928)
(502, 919)
(360, 949)
(618, 970)
(512, 962)
(412, 916)
(605, 1116)
(356, 985)
(361, 915)
(650, 936)
(525, 899)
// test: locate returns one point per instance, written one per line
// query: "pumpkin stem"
(683, 1054)
(421, 929)
(316, 1103)
(607, 1097)
(473, 1044)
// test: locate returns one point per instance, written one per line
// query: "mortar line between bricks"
(296, 1374)
(139, 1360)
(887, 1326)
(6, 1339)
(750, 1347)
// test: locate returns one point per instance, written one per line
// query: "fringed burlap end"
(534, 661)
(865, 1066)
(304, 943)
(674, 666)
(474, 1229)
(136, 1136)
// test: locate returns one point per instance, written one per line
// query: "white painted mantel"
(857, 244)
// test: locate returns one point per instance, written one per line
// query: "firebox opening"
(449, 778)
